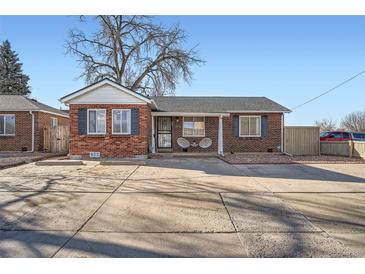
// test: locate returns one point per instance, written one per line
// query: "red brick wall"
(23, 130)
(109, 145)
(231, 143)
(211, 131)
(252, 144)
(23, 133)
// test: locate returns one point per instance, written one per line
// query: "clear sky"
(289, 59)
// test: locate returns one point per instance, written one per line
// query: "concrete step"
(60, 163)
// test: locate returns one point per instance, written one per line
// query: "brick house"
(22, 121)
(110, 121)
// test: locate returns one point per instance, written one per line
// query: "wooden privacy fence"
(55, 139)
(343, 148)
(301, 140)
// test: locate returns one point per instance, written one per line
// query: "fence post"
(351, 148)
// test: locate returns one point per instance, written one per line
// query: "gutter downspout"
(282, 134)
(31, 113)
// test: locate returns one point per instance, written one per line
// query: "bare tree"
(326, 124)
(136, 52)
(355, 121)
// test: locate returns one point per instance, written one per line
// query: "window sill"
(7, 135)
(121, 134)
(194, 136)
(96, 135)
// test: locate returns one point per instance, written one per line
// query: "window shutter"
(236, 125)
(135, 121)
(82, 121)
(264, 126)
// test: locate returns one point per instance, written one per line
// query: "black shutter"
(264, 126)
(135, 121)
(82, 121)
(236, 125)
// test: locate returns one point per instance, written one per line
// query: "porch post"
(153, 145)
(220, 136)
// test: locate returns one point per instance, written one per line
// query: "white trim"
(31, 113)
(153, 145)
(239, 125)
(257, 111)
(87, 120)
(37, 110)
(183, 133)
(110, 103)
(220, 136)
(129, 125)
(8, 114)
(189, 114)
(67, 98)
(54, 113)
(282, 134)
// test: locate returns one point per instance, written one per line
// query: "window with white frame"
(7, 124)
(96, 121)
(194, 127)
(121, 121)
(250, 126)
(54, 122)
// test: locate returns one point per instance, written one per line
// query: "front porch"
(193, 129)
(159, 155)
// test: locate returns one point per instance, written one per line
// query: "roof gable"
(105, 92)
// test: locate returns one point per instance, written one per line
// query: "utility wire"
(331, 89)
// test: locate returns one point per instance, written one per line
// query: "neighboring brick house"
(110, 121)
(22, 121)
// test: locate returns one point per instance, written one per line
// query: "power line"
(331, 89)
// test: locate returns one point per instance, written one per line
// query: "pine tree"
(12, 78)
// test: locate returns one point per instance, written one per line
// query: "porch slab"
(161, 212)
(59, 163)
(147, 245)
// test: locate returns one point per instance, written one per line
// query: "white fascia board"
(189, 114)
(37, 110)
(67, 99)
(257, 111)
(54, 113)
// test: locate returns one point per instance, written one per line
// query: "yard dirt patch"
(278, 158)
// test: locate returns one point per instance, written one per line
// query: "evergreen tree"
(12, 78)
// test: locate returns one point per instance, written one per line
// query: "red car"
(341, 136)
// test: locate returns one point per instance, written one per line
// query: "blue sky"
(289, 59)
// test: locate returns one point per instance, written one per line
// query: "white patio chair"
(183, 143)
(205, 142)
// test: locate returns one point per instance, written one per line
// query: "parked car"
(341, 136)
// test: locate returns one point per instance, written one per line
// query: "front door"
(164, 132)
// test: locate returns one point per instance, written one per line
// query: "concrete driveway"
(183, 207)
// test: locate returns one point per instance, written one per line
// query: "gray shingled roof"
(216, 104)
(22, 103)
